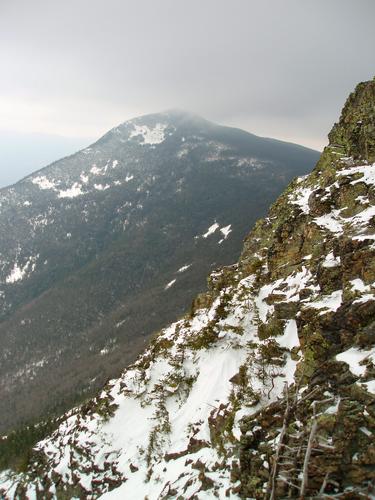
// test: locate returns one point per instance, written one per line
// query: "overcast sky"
(278, 68)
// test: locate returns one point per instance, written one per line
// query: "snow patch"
(73, 192)
(331, 261)
(155, 135)
(359, 286)
(330, 222)
(170, 284)
(96, 170)
(211, 230)
(226, 230)
(329, 302)
(43, 182)
(354, 356)
(290, 337)
(183, 268)
(18, 273)
(367, 171)
(301, 198)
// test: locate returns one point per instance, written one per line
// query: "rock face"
(266, 388)
(103, 248)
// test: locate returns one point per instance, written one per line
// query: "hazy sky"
(279, 68)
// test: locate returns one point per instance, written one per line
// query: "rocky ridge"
(266, 389)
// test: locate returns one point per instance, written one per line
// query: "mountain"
(265, 389)
(103, 248)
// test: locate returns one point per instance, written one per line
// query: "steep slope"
(266, 389)
(133, 222)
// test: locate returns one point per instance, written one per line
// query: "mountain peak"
(354, 134)
(171, 117)
(154, 128)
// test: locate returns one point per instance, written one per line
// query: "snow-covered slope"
(153, 430)
(89, 242)
(266, 388)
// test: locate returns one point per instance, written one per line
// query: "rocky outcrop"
(266, 388)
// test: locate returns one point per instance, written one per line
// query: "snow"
(330, 222)
(263, 308)
(130, 428)
(73, 192)
(364, 298)
(290, 337)
(297, 281)
(331, 302)
(155, 135)
(95, 170)
(226, 230)
(364, 217)
(62, 466)
(362, 199)
(18, 273)
(302, 196)
(359, 286)
(43, 182)
(363, 237)
(290, 287)
(353, 358)
(370, 386)
(152, 406)
(183, 268)
(301, 178)
(217, 366)
(331, 261)
(86, 482)
(211, 230)
(170, 284)
(367, 171)
(287, 376)
(134, 420)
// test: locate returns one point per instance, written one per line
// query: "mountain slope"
(136, 220)
(266, 389)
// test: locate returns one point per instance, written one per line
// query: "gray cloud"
(276, 68)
